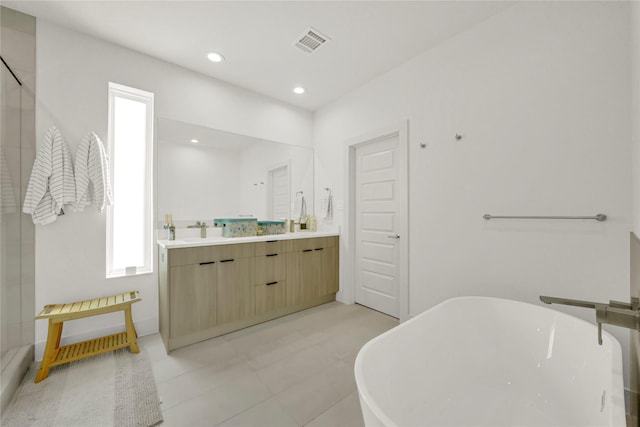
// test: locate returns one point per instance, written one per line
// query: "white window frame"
(121, 91)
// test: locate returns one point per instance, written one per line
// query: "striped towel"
(52, 184)
(93, 184)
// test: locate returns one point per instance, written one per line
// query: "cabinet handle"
(226, 260)
(271, 241)
(307, 250)
(319, 249)
(208, 262)
(272, 255)
(272, 283)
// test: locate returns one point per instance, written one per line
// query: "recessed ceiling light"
(195, 141)
(215, 57)
(299, 90)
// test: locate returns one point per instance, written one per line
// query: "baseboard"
(13, 374)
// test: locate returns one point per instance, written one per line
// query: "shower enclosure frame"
(17, 231)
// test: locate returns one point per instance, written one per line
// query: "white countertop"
(189, 242)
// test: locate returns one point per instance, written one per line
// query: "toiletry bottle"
(171, 229)
(292, 226)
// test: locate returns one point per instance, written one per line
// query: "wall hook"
(423, 145)
(458, 137)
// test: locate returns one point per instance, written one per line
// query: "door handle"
(393, 236)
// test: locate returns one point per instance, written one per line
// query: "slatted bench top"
(91, 307)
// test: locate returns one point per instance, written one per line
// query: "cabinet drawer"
(184, 256)
(199, 254)
(270, 297)
(271, 247)
(235, 250)
(270, 267)
(311, 243)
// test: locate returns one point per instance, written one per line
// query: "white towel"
(326, 204)
(329, 213)
(300, 206)
(52, 184)
(93, 185)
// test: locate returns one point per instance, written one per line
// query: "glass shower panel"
(10, 217)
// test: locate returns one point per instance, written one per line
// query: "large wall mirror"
(226, 175)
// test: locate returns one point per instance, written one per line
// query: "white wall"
(73, 72)
(541, 95)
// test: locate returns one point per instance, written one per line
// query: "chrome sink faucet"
(202, 225)
(626, 315)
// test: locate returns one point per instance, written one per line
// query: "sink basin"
(237, 227)
(196, 239)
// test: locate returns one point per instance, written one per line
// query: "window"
(130, 218)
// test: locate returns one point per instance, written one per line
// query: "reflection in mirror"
(226, 175)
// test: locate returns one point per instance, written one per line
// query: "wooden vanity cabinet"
(208, 291)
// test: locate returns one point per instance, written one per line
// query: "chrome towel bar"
(598, 217)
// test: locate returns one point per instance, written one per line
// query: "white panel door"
(377, 208)
(279, 205)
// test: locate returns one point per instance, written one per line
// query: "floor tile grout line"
(328, 409)
(208, 389)
(247, 409)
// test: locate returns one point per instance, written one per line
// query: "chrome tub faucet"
(626, 315)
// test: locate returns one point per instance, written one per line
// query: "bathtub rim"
(616, 412)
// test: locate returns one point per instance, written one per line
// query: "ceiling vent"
(311, 40)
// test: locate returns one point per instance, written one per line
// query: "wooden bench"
(59, 313)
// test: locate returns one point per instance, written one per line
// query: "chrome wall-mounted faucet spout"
(617, 313)
(202, 225)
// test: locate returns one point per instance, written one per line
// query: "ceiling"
(367, 38)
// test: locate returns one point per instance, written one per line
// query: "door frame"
(400, 129)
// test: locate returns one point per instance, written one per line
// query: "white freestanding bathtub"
(477, 361)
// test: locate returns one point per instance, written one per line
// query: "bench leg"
(132, 336)
(53, 343)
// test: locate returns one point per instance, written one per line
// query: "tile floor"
(292, 371)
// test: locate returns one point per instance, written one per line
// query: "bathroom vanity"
(209, 287)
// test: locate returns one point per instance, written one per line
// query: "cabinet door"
(326, 264)
(192, 298)
(235, 293)
(302, 276)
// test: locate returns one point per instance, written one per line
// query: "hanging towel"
(326, 204)
(329, 213)
(300, 206)
(52, 184)
(93, 185)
